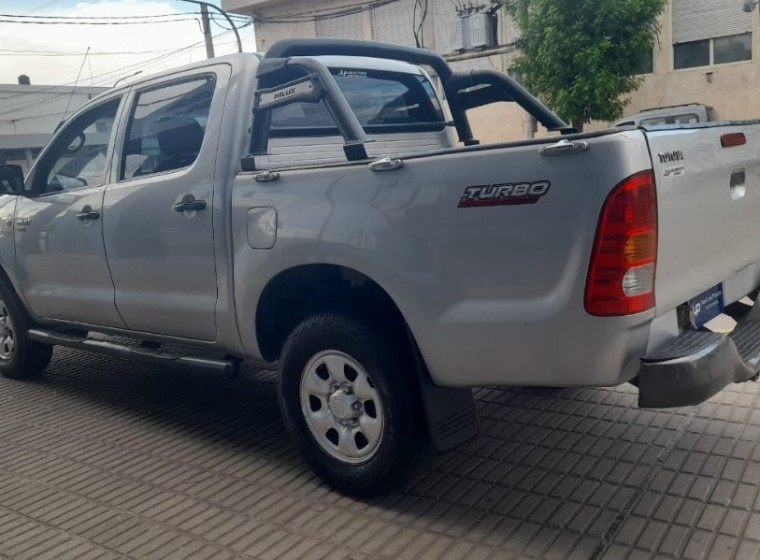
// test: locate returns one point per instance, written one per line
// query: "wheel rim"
(7, 335)
(342, 407)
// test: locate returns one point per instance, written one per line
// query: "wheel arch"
(297, 292)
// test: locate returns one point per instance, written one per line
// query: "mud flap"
(449, 411)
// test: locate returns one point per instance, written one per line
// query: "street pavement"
(104, 459)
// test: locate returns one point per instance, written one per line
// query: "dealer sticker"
(707, 305)
(676, 171)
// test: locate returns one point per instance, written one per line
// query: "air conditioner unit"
(481, 31)
(457, 37)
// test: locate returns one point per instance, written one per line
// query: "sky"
(55, 54)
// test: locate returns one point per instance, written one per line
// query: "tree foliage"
(581, 56)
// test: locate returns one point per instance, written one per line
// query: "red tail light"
(621, 273)
(733, 140)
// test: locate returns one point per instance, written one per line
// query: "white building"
(30, 114)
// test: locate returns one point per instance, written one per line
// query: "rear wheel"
(20, 357)
(349, 403)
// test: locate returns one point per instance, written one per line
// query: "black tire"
(27, 358)
(402, 441)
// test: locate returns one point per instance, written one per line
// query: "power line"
(140, 17)
(110, 18)
(79, 74)
(70, 53)
(218, 20)
(324, 13)
(175, 14)
(114, 74)
(68, 22)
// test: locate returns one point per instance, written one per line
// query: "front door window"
(78, 156)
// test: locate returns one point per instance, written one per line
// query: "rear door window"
(166, 127)
(382, 101)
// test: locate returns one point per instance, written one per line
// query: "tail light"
(733, 140)
(622, 269)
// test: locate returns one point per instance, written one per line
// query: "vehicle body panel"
(493, 295)
(61, 260)
(61, 266)
(708, 230)
(162, 261)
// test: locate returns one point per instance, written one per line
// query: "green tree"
(581, 56)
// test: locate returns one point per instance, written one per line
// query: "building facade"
(30, 114)
(706, 51)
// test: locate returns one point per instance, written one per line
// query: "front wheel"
(20, 357)
(349, 404)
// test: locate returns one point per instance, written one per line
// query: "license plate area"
(706, 306)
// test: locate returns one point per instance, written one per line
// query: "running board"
(225, 366)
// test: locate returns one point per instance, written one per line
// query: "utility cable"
(312, 15)
(73, 89)
(67, 22)
(140, 17)
(125, 71)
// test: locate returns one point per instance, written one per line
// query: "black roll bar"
(507, 89)
(347, 47)
(464, 90)
(348, 125)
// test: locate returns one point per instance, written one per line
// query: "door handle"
(190, 204)
(386, 164)
(88, 213)
(564, 147)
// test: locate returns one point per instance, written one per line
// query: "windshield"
(380, 100)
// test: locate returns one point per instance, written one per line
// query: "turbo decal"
(504, 194)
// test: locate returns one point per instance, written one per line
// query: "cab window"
(78, 157)
(380, 100)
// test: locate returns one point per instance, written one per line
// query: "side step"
(139, 353)
(698, 364)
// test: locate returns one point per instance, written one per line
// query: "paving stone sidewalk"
(102, 459)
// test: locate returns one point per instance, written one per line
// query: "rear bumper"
(697, 365)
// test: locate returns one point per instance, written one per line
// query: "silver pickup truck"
(322, 209)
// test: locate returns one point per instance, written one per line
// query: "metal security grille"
(695, 20)
(345, 27)
(394, 22)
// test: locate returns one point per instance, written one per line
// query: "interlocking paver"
(104, 459)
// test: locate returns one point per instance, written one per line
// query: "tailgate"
(708, 209)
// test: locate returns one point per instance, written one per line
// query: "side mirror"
(11, 179)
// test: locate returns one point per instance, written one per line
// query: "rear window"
(382, 101)
(686, 118)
